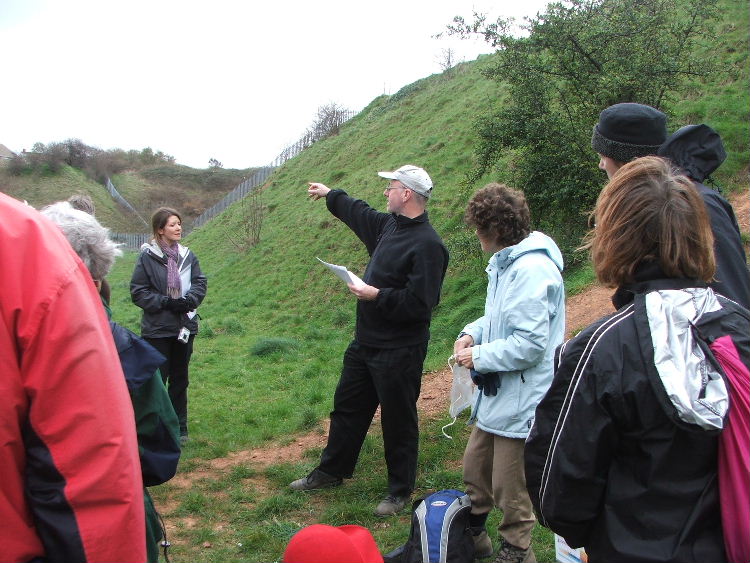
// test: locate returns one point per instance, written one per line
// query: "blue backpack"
(440, 531)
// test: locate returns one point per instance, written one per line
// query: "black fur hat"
(627, 131)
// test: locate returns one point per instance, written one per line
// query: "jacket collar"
(156, 250)
(649, 277)
(535, 242)
(403, 221)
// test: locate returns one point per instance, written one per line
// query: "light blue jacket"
(523, 323)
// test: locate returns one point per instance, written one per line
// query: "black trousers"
(174, 372)
(391, 378)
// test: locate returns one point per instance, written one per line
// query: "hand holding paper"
(343, 273)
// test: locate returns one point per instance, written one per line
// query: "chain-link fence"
(134, 241)
(257, 179)
(116, 195)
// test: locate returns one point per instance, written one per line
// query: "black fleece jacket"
(608, 463)
(407, 264)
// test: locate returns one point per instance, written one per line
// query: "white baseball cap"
(413, 177)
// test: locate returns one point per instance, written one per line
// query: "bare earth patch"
(582, 309)
(741, 203)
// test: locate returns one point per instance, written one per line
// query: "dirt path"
(741, 203)
(581, 310)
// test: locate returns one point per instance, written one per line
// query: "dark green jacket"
(155, 420)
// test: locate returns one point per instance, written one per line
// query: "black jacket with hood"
(148, 290)
(622, 456)
(407, 264)
(698, 151)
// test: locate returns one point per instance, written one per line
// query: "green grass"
(42, 189)
(189, 190)
(721, 99)
(579, 279)
(250, 517)
(275, 322)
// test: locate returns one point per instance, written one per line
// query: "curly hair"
(82, 202)
(649, 212)
(499, 213)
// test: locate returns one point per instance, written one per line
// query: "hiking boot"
(482, 545)
(511, 554)
(390, 505)
(317, 479)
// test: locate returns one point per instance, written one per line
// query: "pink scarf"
(174, 287)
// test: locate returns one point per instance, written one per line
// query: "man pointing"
(383, 364)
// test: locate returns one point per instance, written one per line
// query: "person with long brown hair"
(155, 420)
(168, 284)
(622, 455)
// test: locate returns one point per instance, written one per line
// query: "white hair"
(87, 236)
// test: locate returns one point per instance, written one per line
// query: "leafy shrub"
(580, 57)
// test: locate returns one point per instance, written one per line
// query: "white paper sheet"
(343, 273)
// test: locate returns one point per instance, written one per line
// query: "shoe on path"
(511, 554)
(390, 505)
(317, 479)
(482, 545)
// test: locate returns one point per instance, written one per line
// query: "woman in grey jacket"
(510, 350)
(168, 284)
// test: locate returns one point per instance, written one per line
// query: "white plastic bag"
(462, 390)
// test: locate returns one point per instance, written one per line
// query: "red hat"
(321, 543)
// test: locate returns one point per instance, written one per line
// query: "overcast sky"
(227, 79)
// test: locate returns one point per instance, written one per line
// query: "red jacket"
(70, 483)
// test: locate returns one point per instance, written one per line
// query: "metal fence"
(310, 137)
(257, 179)
(116, 195)
(262, 174)
(131, 241)
(134, 241)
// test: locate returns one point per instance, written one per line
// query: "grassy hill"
(190, 190)
(41, 190)
(275, 322)
(722, 99)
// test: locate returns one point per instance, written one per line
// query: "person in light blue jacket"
(510, 352)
